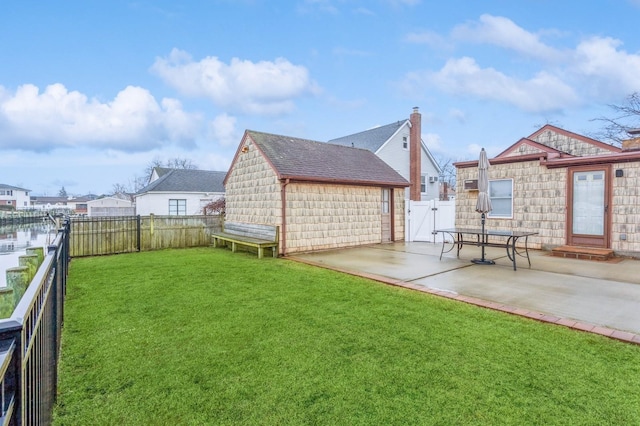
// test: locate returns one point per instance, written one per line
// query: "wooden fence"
(93, 236)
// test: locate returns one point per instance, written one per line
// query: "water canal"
(15, 239)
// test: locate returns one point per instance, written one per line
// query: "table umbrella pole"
(483, 205)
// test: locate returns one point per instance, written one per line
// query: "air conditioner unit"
(433, 179)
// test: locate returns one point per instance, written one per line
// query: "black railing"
(30, 341)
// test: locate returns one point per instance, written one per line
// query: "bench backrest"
(254, 230)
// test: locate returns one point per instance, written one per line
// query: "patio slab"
(601, 297)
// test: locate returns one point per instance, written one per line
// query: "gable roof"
(308, 160)
(551, 157)
(14, 188)
(186, 180)
(371, 139)
(374, 139)
(582, 138)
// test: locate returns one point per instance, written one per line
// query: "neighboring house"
(14, 197)
(393, 144)
(110, 206)
(75, 205)
(47, 203)
(80, 205)
(179, 192)
(573, 190)
(321, 195)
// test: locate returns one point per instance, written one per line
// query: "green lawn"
(206, 336)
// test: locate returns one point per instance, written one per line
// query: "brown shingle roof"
(303, 159)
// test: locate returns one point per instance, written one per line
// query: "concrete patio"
(598, 297)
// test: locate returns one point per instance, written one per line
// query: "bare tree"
(171, 163)
(118, 188)
(217, 208)
(447, 170)
(626, 118)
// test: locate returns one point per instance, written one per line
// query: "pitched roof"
(307, 160)
(15, 188)
(371, 139)
(187, 180)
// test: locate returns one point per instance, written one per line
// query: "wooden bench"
(248, 234)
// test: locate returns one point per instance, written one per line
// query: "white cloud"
(264, 88)
(607, 71)
(543, 92)
(458, 115)
(223, 130)
(429, 38)
(56, 117)
(433, 142)
(503, 32)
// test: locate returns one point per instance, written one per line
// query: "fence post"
(138, 222)
(38, 251)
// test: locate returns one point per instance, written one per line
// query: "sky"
(93, 92)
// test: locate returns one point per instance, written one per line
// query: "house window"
(405, 144)
(385, 201)
(423, 184)
(501, 195)
(177, 207)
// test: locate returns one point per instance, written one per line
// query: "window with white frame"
(501, 195)
(177, 207)
(405, 143)
(423, 184)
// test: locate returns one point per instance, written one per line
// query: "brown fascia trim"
(553, 162)
(307, 179)
(503, 160)
(582, 138)
(623, 157)
(525, 141)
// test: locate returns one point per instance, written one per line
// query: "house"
(110, 206)
(80, 205)
(321, 195)
(394, 143)
(575, 191)
(14, 198)
(179, 191)
(75, 205)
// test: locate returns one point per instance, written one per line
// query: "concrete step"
(585, 253)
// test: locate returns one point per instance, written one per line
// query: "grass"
(205, 336)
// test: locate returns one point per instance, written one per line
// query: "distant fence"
(30, 341)
(91, 236)
(21, 217)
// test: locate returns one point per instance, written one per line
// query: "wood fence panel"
(108, 235)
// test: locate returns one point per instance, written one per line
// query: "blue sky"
(92, 92)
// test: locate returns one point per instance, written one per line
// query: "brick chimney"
(415, 154)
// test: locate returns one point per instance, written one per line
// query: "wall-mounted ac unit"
(433, 179)
(471, 185)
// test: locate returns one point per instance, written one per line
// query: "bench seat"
(261, 237)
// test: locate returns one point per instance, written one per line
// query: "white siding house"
(179, 192)
(14, 196)
(110, 206)
(391, 143)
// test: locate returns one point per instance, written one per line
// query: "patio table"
(480, 238)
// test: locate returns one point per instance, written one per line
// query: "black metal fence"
(30, 341)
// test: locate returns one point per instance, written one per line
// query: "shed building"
(322, 196)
